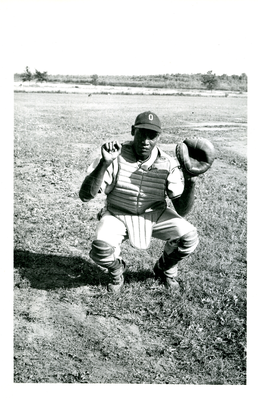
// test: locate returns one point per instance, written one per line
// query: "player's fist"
(110, 151)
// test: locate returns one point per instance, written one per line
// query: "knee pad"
(102, 253)
(188, 243)
(178, 249)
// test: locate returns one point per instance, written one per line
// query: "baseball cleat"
(116, 287)
(117, 277)
(169, 283)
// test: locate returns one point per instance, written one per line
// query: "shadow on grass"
(44, 271)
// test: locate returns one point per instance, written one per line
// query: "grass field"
(67, 328)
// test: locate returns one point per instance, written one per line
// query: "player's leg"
(181, 240)
(106, 248)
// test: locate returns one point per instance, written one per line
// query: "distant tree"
(243, 77)
(94, 79)
(210, 80)
(27, 75)
(243, 82)
(40, 76)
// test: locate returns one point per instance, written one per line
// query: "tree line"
(209, 81)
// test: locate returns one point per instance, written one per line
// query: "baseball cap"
(148, 120)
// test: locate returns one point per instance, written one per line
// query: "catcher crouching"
(136, 177)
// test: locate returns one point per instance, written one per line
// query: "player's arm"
(195, 156)
(92, 183)
(185, 202)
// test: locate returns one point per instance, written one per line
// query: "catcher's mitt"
(195, 155)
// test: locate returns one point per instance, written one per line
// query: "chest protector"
(137, 189)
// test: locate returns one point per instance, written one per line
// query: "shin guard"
(116, 271)
(102, 253)
(176, 251)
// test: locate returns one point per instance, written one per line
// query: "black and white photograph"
(129, 141)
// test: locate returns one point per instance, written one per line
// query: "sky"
(111, 37)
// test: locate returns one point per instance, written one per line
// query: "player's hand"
(110, 151)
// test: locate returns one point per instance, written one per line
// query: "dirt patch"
(238, 146)
(114, 333)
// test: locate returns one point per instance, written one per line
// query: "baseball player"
(137, 178)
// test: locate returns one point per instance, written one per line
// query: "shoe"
(117, 286)
(117, 278)
(169, 283)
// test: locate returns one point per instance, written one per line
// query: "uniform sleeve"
(109, 177)
(175, 183)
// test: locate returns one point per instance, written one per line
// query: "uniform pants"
(169, 227)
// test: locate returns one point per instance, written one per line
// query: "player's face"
(144, 141)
